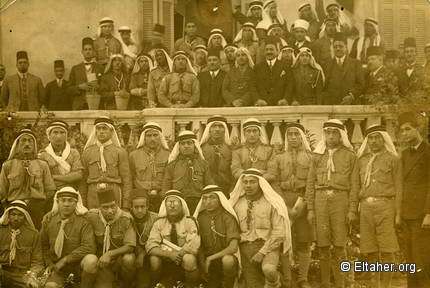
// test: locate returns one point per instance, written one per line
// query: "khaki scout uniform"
(247, 157)
(117, 175)
(147, 170)
(179, 88)
(105, 47)
(28, 255)
(154, 81)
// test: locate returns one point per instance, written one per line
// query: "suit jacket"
(12, 97)
(271, 82)
(211, 89)
(342, 80)
(381, 88)
(58, 98)
(413, 83)
(416, 182)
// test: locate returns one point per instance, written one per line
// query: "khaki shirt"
(183, 88)
(19, 183)
(78, 240)
(186, 229)
(219, 160)
(28, 250)
(265, 224)
(183, 44)
(143, 229)
(105, 47)
(148, 169)
(245, 157)
(154, 81)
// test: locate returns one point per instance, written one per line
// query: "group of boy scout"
(156, 217)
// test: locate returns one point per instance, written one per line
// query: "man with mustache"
(24, 177)
(148, 163)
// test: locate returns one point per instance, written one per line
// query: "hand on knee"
(89, 264)
(189, 262)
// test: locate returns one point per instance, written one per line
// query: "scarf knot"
(102, 146)
(59, 241)
(13, 244)
(330, 163)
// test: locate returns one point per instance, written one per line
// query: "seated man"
(115, 241)
(20, 249)
(68, 243)
(220, 238)
(174, 241)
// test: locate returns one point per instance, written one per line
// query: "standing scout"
(115, 241)
(187, 170)
(148, 163)
(64, 162)
(288, 173)
(163, 66)
(254, 152)
(264, 229)
(220, 235)
(20, 248)
(24, 177)
(105, 43)
(216, 148)
(68, 243)
(379, 175)
(331, 197)
(416, 198)
(105, 165)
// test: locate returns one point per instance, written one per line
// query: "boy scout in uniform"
(174, 241)
(105, 43)
(115, 240)
(20, 249)
(180, 89)
(106, 165)
(187, 170)
(163, 66)
(288, 173)
(220, 236)
(255, 151)
(67, 239)
(379, 175)
(331, 197)
(148, 163)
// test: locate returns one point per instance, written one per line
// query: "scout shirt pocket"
(36, 180)
(23, 256)
(262, 220)
(302, 171)
(112, 166)
(321, 173)
(15, 180)
(94, 168)
(383, 175)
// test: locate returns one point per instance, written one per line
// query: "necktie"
(173, 234)
(369, 167)
(213, 75)
(13, 244)
(59, 242)
(102, 146)
(330, 163)
(409, 70)
(339, 61)
(249, 214)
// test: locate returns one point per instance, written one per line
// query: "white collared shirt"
(341, 60)
(59, 82)
(271, 63)
(410, 70)
(22, 75)
(214, 73)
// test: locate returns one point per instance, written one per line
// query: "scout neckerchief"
(369, 167)
(106, 239)
(63, 166)
(13, 243)
(102, 146)
(118, 81)
(330, 163)
(59, 241)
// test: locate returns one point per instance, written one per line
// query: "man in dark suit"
(416, 199)
(22, 91)
(344, 75)
(58, 97)
(211, 81)
(271, 75)
(84, 76)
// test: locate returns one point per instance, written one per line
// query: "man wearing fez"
(211, 81)
(416, 198)
(344, 76)
(190, 39)
(264, 229)
(24, 177)
(22, 91)
(20, 249)
(163, 66)
(64, 162)
(148, 163)
(106, 166)
(105, 43)
(115, 241)
(187, 169)
(255, 151)
(379, 175)
(58, 95)
(84, 76)
(411, 74)
(287, 172)
(381, 83)
(331, 198)
(174, 241)
(216, 148)
(143, 219)
(180, 88)
(219, 254)
(68, 243)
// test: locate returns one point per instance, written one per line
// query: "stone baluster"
(182, 125)
(276, 139)
(264, 131)
(357, 135)
(373, 120)
(235, 133)
(390, 125)
(197, 128)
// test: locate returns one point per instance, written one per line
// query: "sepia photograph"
(214, 144)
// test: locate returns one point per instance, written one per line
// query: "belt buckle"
(370, 199)
(102, 186)
(329, 193)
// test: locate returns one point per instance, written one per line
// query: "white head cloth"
(136, 68)
(168, 59)
(313, 62)
(216, 32)
(190, 67)
(64, 166)
(20, 206)
(126, 50)
(249, 13)
(284, 48)
(103, 22)
(246, 51)
(267, 19)
(305, 142)
(238, 37)
(111, 58)
(152, 126)
(271, 196)
(321, 146)
(92, 140)
(188, 135)
(389, 145)
(300, 23)
(212, 121)
(253, 122)
(23, 132)
(375, 42)
(162, 212)
(80, 208)
(342, 21)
